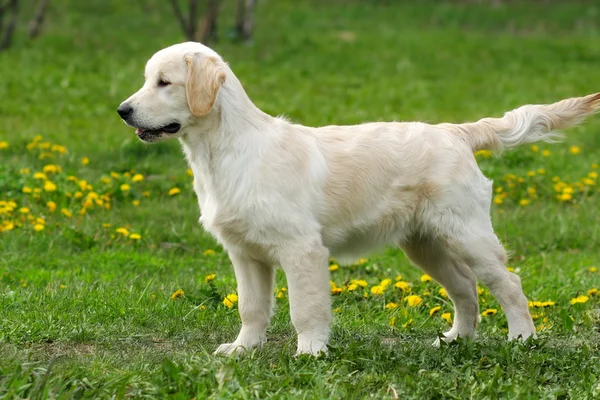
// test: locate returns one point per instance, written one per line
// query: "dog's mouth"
(150, 134)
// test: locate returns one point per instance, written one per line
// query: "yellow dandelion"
(51, 206)
(177, 294)
(592, 269)
(125, 187)
(385, 283)
(546, 153)
(334, 267)
(399, 277)
(483, 153)
(85, 160)
(27, 189)
(49, 186)
(135, 236)
(377, 290)
(425, 278)
(40, 176)
(402, 285)
(593, 175)
(24, 210)
(38, 227)
(122, 231)
(63, 286)
(593, 292)
(498, 200)
(230, 300)
(530, 173)
(574, 150)
(359, 282)
(3, 145)
(434, 310)
(524, 202)
(565, 196)
(136, 203)
(209, 277)
(447, 317)
(588, 181)
(442, 292)
(413, 300)
(541, 171)
(362, 261)
(209, 252)
(51, 169)
(281, 293)
(535, 148)
(352, 286)
(137, 178)
(335, 289)
(66, 212)
(548, 303)
(391, 305)
(190, 172)
(580, 299)
(407, 323)
(489, 311)
(174, 191)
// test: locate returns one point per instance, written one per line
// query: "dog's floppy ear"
(204, 79)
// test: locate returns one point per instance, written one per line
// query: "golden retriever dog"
(275, 193)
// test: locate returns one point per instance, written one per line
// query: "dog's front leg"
(305, 267)
(255, 303)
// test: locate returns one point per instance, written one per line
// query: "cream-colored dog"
(277, 193)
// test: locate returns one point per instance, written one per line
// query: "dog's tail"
(526, 124)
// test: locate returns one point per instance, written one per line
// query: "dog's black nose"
(125, 110)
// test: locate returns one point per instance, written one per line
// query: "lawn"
(109, 287)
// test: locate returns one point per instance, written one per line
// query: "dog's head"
(182, 84)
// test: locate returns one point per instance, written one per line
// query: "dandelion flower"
(3, 145)
(391, 306)
(434, 310)
(135, 203)
(334, 267)
(190, 172)
(399, 277)
(335, 289)
(24, 210)
(85, 160)
(209, 277)
(377, 290)
(174, 191)
(122, 231)
(524, 202)
(135, 236)
(38, 227)
(209, 252)
(177, 294)
(593, 269)
(27, 189)
(385, 283)
(425, 278)
(63, 286)
(580, 299)
(125, 187)
(447, 317)
(565, 196)
(593, 175)
(402, 286)
(49, 186)
(359, 282)
(407, 323)
(593, 292)
(489, 311)
(137, 178)
(413, 300)
(574, 150)
(66, 212)
(51, 206)
(230, 300)
(351, 287)
(362, 261)
(442, 292)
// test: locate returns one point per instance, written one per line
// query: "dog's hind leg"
(441, 264)
(255, 303)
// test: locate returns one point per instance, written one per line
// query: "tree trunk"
(38, 19)
(208, 32)
(245, 18)
(6, 38)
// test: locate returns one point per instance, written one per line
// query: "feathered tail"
(526, 124)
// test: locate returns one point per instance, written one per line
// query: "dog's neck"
(228, 134)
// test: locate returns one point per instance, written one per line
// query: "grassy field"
(106, 285)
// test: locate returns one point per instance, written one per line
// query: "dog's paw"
(312, 348)
(230, 349)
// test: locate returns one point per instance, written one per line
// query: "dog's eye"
(163, 83)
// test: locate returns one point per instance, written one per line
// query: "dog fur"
(275, 193)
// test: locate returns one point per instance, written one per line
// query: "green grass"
(87, 312)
